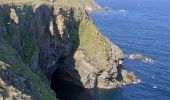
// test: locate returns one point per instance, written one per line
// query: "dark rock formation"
(59, 39)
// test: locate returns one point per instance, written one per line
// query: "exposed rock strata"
(50, 37)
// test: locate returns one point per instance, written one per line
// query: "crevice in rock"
(120, 67)
(65, 89)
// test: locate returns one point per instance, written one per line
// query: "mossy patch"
(42, 88)
(28, 47)
(94, 45)
(9, 55)
(12, 64)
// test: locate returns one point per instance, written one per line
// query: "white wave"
(146, 60)
(139, 80)
(136, 82)
(120, 11)
(155, 87)
(131, 57)
(153, 76)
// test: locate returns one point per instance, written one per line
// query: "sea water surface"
(139, 26)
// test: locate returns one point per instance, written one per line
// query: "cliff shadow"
(15, 81)
(65, 80)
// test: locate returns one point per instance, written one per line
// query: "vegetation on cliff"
(87, 4)
(17, 80)
(29, 47)
(40, 40)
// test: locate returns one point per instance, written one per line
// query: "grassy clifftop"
(89, 4)
(43, 38)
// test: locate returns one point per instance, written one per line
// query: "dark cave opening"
(66, 90)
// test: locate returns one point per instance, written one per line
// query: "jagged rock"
(51, 28)
(13, 16)
(64, 39)
(128, 77)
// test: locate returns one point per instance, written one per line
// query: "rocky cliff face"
(63, 40)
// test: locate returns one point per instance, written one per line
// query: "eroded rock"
(66, 39)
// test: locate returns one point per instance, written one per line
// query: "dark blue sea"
(139, 26)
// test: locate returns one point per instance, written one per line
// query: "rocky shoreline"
(60, 42)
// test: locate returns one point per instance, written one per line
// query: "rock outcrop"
(140, 57)
(51, 37)
(18, 81)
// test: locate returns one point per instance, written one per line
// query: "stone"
(65, 41)
(13, 16)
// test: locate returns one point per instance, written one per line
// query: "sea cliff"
(44, 42)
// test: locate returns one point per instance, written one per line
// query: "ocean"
(138, 26)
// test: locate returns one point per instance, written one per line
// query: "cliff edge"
(41, 43)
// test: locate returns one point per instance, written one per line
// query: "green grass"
(9, 55)
(43, 87)
(28, 46)
(73, 3)
(10, 62)
(93, 43)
